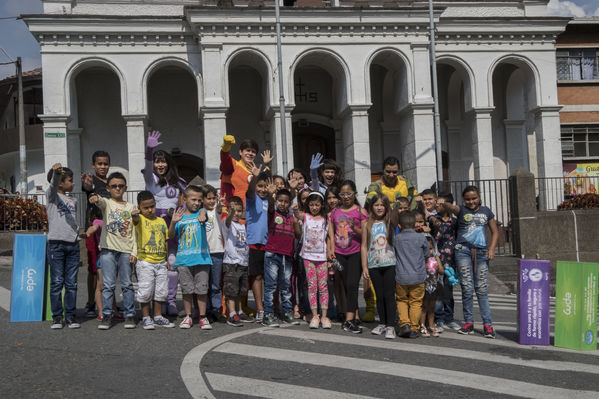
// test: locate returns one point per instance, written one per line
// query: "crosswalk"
(297, 362)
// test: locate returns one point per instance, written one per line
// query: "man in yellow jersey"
(393, 185)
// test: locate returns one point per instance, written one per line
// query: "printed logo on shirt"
(343, 234)
(278, 220)
(118, 223)
(126, 215)
(66, 207)
(468, 217)
(209, 223)
(156, 243)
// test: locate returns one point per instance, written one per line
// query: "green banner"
(576, 305)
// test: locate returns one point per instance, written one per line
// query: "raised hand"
(316, 161)
(228, 141)
(293, 182)
(87, 181)
(93, 199)
(177, 215)
(135, 212)
(271, 187)
(254, 169)
(266, 157)
(153, 139)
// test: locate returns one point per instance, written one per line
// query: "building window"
(580, 141)
(578, 64)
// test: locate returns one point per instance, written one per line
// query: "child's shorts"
(152, 281)
(235, 280)
(194, 279)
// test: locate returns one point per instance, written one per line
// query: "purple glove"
(152, 143)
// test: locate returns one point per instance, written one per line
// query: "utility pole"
(437, 118)
(281, 90)
(22, 146)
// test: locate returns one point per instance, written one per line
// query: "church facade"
(356, 78)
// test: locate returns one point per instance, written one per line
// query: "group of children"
(300, 246)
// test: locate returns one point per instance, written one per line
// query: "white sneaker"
(390, 333)
(161, 321)
(378, 330)
(186, 323)
(205, 324)
(259, 316)
(315, 322)
(148, 324)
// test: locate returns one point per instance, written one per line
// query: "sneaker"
(106, 323)
(129, 323)
(218, 316)
(424, 332)
(56, 323)
(186, 323)
(270, 320)
(390, 333)
(72, 323)
(259, 316)
(453, 325)
(314, 323)
(326, 324)
(204, 324)
(378, 330)
(345, 325)
(289, 319)
(161, 321)
(148, 323)
(172, 310)
(404, 331)
(413, 334)
(488, 332)
(245, 318)
(235, 321)
(466, 329)
(354, 328)
(99, 318)
(90, 310)
(440, 327)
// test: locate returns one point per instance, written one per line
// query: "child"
(335, 283)
(214, 209)
(279, 182)
(403, 204)
(296, 178)
(446, 227)
(432, 288)
(332, 198)
(119, 249)
(95, 184)
(193, 260)
(278, 260)
(429, 200)
(472, 252)
(345, 230)
(151, 267)
(163, 181)
(235, 262)
(313, 232)
(63, 246)
(411, 251)
(378, 261)
(324, 174)
(299, 284)
(258, 201)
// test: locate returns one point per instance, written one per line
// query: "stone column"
(356, 143)
(276, 136)
(456, 151)
(74, 154)
(55, 140)
(549, 155)
(424, 145)
(136, 127)
(482, 144)
(215, 128)
(516, 145)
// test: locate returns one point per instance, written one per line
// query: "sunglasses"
(117, 186)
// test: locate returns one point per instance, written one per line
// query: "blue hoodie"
(411, 251)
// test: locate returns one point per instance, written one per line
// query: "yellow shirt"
(393, 193)
(118, 233)
(151, 239)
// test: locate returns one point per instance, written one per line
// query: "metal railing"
(552, 191)
(496, 195)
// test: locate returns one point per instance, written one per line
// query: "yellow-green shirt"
(118, 233)
(151, 239)
(400, 190)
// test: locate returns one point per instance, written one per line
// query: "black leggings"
(383, 280)
(351, 273)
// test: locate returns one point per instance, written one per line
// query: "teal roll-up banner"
(28, 277)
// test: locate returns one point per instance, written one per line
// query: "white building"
(356, 76)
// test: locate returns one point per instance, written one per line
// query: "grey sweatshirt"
(62, 213)
(411, 250)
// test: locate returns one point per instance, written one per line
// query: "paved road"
(292, 362)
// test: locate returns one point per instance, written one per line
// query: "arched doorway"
(309, 138)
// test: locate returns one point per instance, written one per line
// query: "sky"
(16, 40)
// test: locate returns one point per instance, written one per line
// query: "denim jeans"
(473, 282)
(277, 271)
(444, 307)
(114, 262)
(215, 295)
(64, 267)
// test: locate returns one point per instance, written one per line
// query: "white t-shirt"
(214, 232)
(314, 239)
(237, 250)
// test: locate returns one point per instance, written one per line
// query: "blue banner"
(28, 275)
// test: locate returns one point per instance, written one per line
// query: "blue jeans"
(473, 282)
(64, 267)
(277, 270)
(114, 262)
(444, 306)
(215, 295)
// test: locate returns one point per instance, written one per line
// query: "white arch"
(521, 62)
(170, 61)
(267, 74)
(88, 62)
(405, 63)
(339, 64)
(467, 74)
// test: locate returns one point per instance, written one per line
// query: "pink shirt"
(280, 234)
(346, 241)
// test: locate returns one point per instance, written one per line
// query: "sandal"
(424, 332)
(315, 322)
(434, 332)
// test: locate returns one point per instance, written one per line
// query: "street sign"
(28, 272)
(533, 302)
(55, 134)
(576, 305)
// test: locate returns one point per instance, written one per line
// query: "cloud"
(565, 8)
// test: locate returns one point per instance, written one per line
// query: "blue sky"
(17, 41)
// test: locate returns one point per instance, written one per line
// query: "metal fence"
(496, 195)
(552, 191)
